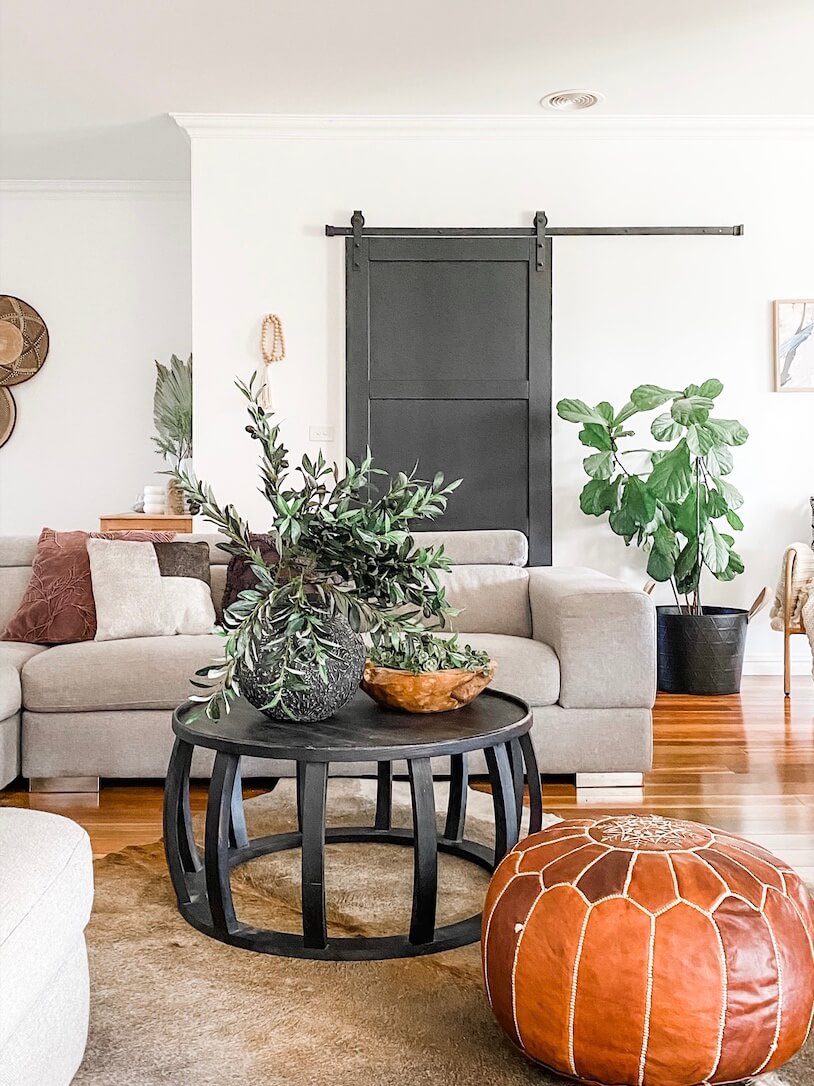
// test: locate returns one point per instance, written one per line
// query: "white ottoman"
(46, 892)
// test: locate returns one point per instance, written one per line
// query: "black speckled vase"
(319, 699)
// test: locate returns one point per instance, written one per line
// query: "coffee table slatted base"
(196, 910)
(203, 885)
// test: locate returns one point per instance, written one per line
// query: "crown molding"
(282, 126)
(60, 187)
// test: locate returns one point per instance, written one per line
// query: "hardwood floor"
(743, 763)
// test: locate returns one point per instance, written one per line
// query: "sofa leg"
(63, 784)
(609, 787)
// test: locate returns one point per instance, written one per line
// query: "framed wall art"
(794, 345)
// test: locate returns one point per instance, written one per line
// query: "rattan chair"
(789, 628)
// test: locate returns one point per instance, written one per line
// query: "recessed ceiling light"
(568, 101)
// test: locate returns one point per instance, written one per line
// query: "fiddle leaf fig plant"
(681, 508)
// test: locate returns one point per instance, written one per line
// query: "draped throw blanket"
(798, 610)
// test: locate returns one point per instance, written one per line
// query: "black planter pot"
(318, 699)
(701, 654)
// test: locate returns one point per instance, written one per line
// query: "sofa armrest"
(603, 632)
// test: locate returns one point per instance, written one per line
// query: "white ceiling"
(86, 85)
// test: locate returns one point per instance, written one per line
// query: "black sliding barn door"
(449, 364)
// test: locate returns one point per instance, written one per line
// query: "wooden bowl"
(432, 692)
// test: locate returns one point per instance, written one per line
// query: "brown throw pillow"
(57, 607)
(239, 572)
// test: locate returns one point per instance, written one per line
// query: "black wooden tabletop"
(361, 731)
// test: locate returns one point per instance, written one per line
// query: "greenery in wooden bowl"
(423, 653)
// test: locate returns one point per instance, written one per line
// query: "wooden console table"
(145, 522)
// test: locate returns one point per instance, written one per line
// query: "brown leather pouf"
(646, 951)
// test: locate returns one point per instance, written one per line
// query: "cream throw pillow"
(148, 590)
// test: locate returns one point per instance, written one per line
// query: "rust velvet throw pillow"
(57, 608)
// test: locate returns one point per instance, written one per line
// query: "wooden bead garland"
(272, 348)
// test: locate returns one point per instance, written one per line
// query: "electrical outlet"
(321, 433)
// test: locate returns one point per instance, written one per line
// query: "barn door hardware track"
(539, 230)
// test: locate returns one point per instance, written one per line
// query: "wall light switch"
(321, 433)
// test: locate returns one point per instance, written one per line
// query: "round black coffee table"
(496, 723)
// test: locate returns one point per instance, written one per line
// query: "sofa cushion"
(490, 598)
(501, 546)
(526, 668)
(46, 892)
(16, 653)
(141, 673)
(11, 695)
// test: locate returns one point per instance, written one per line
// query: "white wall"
(664, 310)
(107, 267)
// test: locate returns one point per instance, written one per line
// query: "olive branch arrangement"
(341, 553)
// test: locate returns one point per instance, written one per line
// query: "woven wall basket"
(8, 415)
(23, 340)
(23, 349)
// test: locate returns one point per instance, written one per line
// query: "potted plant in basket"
(336, 562)
(423, 673)
(682, 510)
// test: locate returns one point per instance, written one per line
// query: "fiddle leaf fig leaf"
(690, 409)
(628, 411)
(664, 428)
(579, 411)
(665, 541)
(688, 568)
(734, 520)
(691, 516)
(623, 523)
(716, 504)
(597, 497)
(728, 431)
(700, 439)
(714, 549)
(638, 500)
(719, 459)
(735, 562)
(711, 388)
(648, 397)
(599, 465)
(660, 566)
(596, 436)
(662, 559)
(731, 495)
(606, 411)
(671, 477)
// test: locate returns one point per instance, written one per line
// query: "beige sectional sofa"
(577, 645)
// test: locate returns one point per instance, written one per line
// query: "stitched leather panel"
(645, 951)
